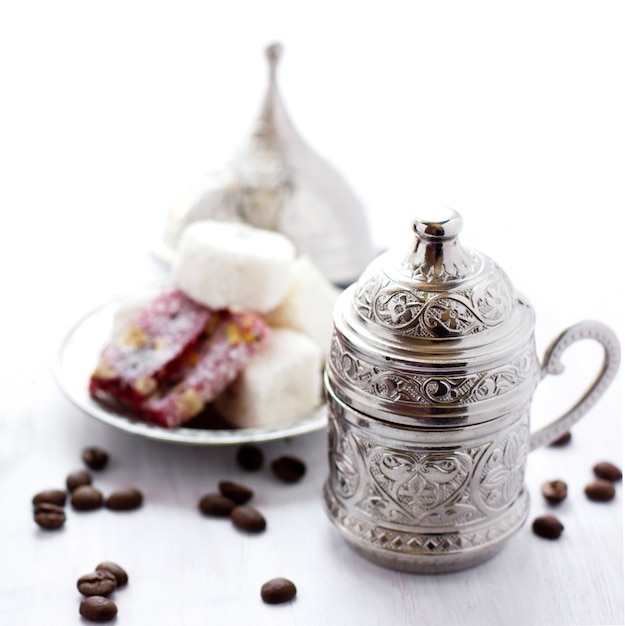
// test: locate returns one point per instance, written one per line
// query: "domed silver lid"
(278, 182)
(436, 334)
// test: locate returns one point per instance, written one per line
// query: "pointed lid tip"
(273, 52)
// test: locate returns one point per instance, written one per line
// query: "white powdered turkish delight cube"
(280, 384)
(308, 306)
(233, 265)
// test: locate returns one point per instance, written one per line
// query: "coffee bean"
(95, 458)
(554, 491)
(250, 458)
(126, 499)
(235, 491)
(98, 609)
(51, 496)
(121, 576)
(277, 591)
(77, 479)
(98, 583)
(548, 527)
(562, 440)
(600, 490)
(49, 516)
(248, 518)
(288, 469)
(216, 505)
(607, 471)
(86, 498)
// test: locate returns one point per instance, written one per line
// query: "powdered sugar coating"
(151, 347)
(209, 370)
(308, 305)
(280, 384)
(232, 265)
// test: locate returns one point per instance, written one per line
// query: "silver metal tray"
(77, 357)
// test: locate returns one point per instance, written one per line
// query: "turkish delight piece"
(308, 306)
(150, 349)
(208, 369)
(280, 384)
(240, 266)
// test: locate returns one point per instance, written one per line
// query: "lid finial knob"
(437, 256)
(442, 225)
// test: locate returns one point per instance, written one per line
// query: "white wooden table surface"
(511, 116)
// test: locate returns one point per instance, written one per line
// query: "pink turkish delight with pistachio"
(174, 357)
(208, 370)
(150, 348)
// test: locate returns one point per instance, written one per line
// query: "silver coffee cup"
(429, 383)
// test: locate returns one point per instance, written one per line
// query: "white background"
(511, 113)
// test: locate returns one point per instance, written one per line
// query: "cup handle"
(552, 365)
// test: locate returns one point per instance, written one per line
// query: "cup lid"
(439, 327)
(438, 291)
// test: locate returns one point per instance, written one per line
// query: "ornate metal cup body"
(429, 385)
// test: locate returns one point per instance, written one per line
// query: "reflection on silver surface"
(78, 355)
(278, 182)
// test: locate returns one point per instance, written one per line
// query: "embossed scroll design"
(437, 489)
(500, 474)
(410, 542)
(342, 457)
(440, 264)
(393, 385)
(420, 313)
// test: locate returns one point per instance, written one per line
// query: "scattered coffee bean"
(49, 516)
(126, 499)
(288, 469)
(235, 491)
(98, 609)
(77, 479)
(277, 591)
(216, 505)
(98, 583)
(250, 458)
(117, 570)
(95, 458)
(86, 498)
(600, 490)
(548, 527)
(607, 471)
(562, 440)
(554, 491)
(51, 496)
(248, 518)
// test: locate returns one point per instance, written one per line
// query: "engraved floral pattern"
(441, 488)
(409, 541)
(501, 475)
(462, 262)
(417, 488)
(342, 459)
(394, 385)
(446, 314)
